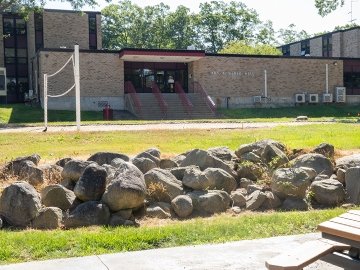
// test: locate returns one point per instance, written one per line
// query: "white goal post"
(74, 58)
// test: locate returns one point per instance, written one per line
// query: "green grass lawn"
(19, 246)
(170, 142)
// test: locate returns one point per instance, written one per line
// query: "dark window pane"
(92, 24)
(21, 53)
(9, 41)
(21, 41)
(9, 52)
(10, 60)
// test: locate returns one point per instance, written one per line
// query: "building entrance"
(143, 74)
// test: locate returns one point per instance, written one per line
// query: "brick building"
(155, 79)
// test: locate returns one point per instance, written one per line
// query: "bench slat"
(351, 216)
(304, 255)
(347, 222)
(340, 230)
(355, 212)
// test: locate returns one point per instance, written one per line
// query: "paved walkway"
(160, 126)
(242, 255)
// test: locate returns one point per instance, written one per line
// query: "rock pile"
(113, 189)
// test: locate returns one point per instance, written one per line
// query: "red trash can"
(107, 113)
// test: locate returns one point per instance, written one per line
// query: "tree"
(325, 7)
(240, 47)
(25, 6)
(290, 34)
(266, 34)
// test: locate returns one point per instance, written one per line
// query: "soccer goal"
(74, 59)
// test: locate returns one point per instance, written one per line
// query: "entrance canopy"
(152, 55)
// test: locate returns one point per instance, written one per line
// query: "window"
(305, 47)
(286, 50)
(39, 32)
(327, 45)
(92, 31)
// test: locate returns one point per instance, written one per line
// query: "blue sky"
(282, 12)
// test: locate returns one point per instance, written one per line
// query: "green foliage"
(20, 246)
(290, 34)
(325, 7)
(239, 47)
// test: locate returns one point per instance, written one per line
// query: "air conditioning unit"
(340, 94)
(300, 98)
(313, 98)
(257, 99)
(327, 98)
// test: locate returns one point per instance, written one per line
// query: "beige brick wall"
(337, 44)
(2, 64)
(98, 31)
(351, 43)
(101, 74)
(295, 49)
(66, 29)
(316, 46)
(244, 77)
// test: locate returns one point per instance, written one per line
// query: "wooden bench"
(304, 255)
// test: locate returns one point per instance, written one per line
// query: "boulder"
(250, 170)
(178, 159)
(62, 162)
(250, 156)
(271, 202)
(69, 184)
(73, 169)
(180, 171)
(236, 209)
(19, 204)
(252, 188)
(210, 178)
(318, 162)
(258, 147)
(1, 223)
(167, 164)
(238, 198)
(222, 152)
(110, 172)
(117, 162)
(340, 175)
(157, 210)
(16, 165)
(52, 172)
(244, 182)
(328, 192)
(295, 204)
(255, 200)
(204, 160)
(352, 182)
(144, 164)
(127, 189)
(152, 154)
(88, 214)
(125, 214)
(325, 149)
(159, 180)
(58, 196)
(49, 218)
(102, 158)
(30, 173)
(348, 161)
(210, 202)
(274, 156)
(291, 182)
(92, 183)
(321, 177)
(119, 221)
(182, 206)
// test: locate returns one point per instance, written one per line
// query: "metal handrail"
(130, 89)
(160, 99)
(197, 88)
(184, 99)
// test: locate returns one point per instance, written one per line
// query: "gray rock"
(19, 204)
(63, 161)
(204, 160)
(102, 158)
(73, 169)
(244, 183)
(258, 147)
(49, 218)
(92, 183)
(236, 209)
(321, 177)
(325, 149)
(271, 202)
(328, 192)
(157, 210)
(58, 196)
(127, 190)
(352, 181)
(318, 162)
(238, 198)
(348, 161)
(154, 152)
(30, 173)
(159, 177)
(119, 221)
(88, 214)
(180, 171)
(250, 156)
(222, 152)
(252, 188)
(69, 184)
(182, 206)
(178, 159)
(126, 214)
(211, 201)
(52, 172)
(1, 223)
(291, 182)
(255, 200)
(144, 164)
(150, 154)
(291, 204)
(117, 162)
(167, 164)
(274, 156)
(110, 172)
(340, 175)
(16, 165)
(250, 170)
(311, 172)
(211, 178)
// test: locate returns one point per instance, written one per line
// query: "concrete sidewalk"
(244, 255)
